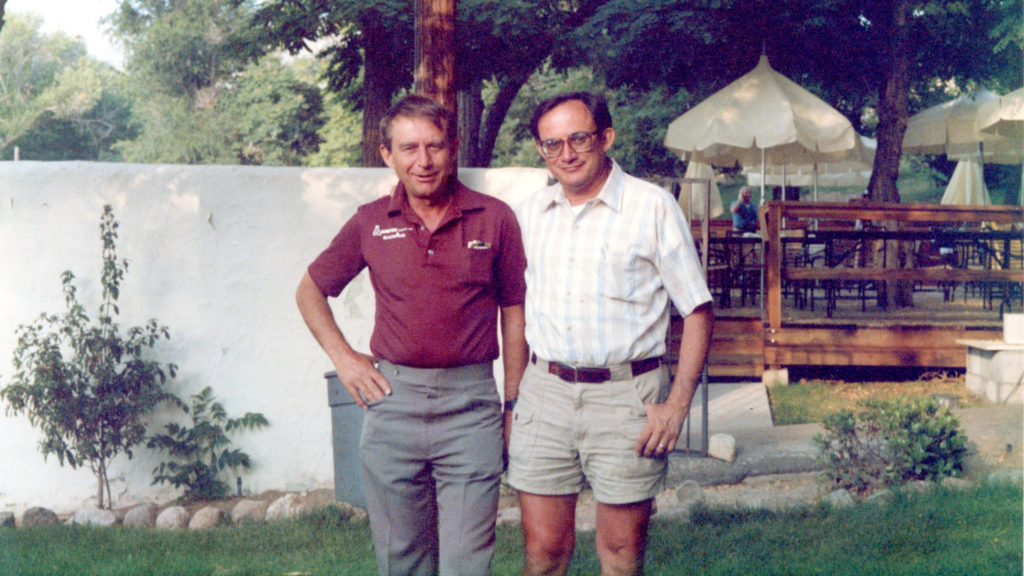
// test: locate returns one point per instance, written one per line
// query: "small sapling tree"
(88, 386)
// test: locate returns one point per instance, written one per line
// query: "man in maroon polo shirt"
(443, 261)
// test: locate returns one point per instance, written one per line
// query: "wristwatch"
(510, 405)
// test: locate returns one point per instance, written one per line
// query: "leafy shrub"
(889, 442)
(86, 385)
(200, 451)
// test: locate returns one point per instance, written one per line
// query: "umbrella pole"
(783, 182)
(815, 181)
(763, 176)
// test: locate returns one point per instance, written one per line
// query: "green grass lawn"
(973, 532)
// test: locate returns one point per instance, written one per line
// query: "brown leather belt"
(597, 375)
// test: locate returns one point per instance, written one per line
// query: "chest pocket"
(622, 272)
(477, 266)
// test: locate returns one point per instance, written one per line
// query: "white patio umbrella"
(954, 128)
(691, 195)
(855, 170)
(967, 185)
(1005, 117)
(760, 118)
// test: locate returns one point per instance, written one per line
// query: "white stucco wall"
(215, 254)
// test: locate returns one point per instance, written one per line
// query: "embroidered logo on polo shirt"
(390, 233)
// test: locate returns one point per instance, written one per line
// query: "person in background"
(607, 254)
(744, 213)
(445, 262)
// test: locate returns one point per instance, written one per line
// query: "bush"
(889, 442)
(200, 452)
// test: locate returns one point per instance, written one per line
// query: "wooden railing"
(886, 232)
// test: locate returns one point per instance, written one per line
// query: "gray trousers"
(431, 457)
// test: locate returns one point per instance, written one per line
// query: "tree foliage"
(856, 54)
(49, 79)
(87, 386)
(269, 113)
(203, 96)
(501, 42)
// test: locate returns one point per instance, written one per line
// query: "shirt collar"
(610, 194)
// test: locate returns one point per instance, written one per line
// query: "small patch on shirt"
(390, 233)
(478, 245)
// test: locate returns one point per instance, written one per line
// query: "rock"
(689, 492)
(208, 517)
(39, 516)
(249, 511)
(142, 516)
(7, 520)
(881, 497)
(173, 518)
(285, 507)
(93, 517)
(586, 512)
(951, 483)
(839, 499)
(722, 447)
(1006, 477)
(918, 487)
(510, 517)
(354, 514)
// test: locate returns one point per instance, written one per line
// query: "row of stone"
(176, 517)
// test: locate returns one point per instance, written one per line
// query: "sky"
(75, 18)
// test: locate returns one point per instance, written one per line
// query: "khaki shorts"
(566, 434)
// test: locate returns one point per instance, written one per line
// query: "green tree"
(88, 386)
(201, 97)
(341, 143)
(500, 43)
(348, 35)
(43, 76)
(183, 47)
(87, 134)
(269, 113)
(858, 54)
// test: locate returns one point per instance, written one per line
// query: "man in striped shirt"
(606, 255)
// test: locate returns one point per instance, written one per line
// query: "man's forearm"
(514, 350)
(693, 353)
(319, 318)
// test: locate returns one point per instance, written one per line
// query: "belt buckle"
(568, 373)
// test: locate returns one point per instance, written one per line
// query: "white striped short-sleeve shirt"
(599, 281)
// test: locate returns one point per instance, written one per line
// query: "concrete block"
(771, 378)
(995, 370)
(1013, 328)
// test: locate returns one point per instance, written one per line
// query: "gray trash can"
(347, 427)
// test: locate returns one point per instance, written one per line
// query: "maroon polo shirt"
(437, 293)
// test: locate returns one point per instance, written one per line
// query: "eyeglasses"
(580, 142)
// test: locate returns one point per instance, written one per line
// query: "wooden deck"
(816, 316)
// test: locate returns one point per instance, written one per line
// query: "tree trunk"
(893, 107)
(893, 111)
(470, 109)
(376, 89)
(496, 116)
(435, 50)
